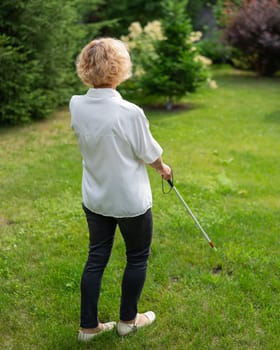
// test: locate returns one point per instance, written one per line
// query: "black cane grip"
(170, 183)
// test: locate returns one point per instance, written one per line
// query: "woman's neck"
(105, 87)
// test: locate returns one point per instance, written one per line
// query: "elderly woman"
(116, 144)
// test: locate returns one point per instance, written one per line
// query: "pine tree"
(175, 70)
(39, 41)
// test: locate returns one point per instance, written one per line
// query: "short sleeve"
(143, 143)
(71, 109)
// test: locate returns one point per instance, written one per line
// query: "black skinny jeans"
(137, 234)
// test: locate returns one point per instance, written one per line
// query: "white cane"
(192, 215)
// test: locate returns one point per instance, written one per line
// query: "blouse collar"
(103, 92)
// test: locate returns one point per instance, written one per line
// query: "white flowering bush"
(195, 37)
(141, 43)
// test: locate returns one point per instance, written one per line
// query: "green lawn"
(225, 154)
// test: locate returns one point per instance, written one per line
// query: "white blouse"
(115, 143)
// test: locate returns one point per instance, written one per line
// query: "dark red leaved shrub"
(254, 29)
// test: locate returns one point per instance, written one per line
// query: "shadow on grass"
(237, 75)
(273, 117)
(60, 113)
(160, 112)
(5, 129)
(178, 107)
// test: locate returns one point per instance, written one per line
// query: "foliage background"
(35, 57)
(40, 40)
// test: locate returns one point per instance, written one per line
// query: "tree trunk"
(266, 67)
(169, 104)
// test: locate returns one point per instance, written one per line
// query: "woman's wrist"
(163, 169)
(157, 164)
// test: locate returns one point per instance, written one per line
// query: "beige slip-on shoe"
(126, 328)
(106, 327)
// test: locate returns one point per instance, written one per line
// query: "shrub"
(254, 29)
(123, 12)
(214, 48)
(37, 45)
(16, 95)
(220, 10)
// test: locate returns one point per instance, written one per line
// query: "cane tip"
(212, 246)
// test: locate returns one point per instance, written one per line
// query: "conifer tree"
(175, 70)
(38, 44)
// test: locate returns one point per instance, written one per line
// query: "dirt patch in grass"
(177, 107)
(5, 222)
(217, 269)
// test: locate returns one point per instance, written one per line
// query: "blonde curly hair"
(104, 62)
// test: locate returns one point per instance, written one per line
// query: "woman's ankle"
(129, 322)
(92, 330)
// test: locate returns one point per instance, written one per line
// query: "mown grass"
(225, 155)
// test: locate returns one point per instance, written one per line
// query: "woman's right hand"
(165, 172)
(163, 169)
